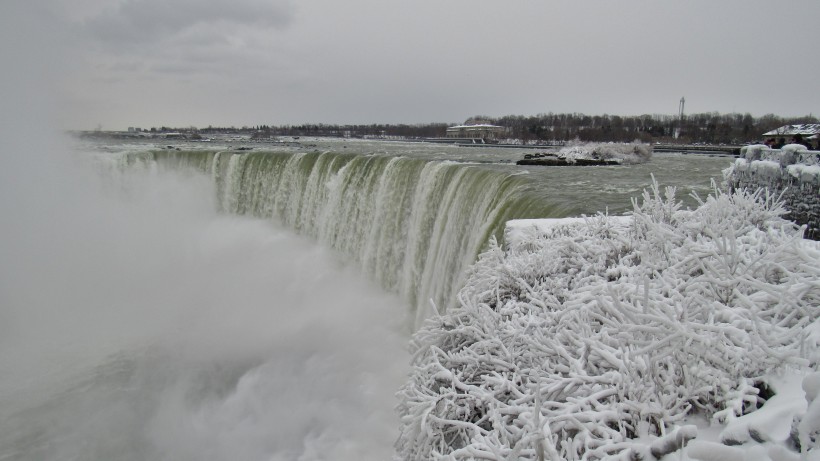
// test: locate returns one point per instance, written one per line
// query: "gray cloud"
(136, 22)
(183, 62)
(212, 42)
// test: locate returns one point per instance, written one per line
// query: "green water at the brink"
(414, 216)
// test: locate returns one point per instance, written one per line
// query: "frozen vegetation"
(625, 153)
(795, 159)
(792, 171)
(685, 331)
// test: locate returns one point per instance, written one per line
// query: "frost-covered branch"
(576, 341)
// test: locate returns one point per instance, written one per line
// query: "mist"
(138, 323)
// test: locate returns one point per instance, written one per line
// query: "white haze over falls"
(137, 323)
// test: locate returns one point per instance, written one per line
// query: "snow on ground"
(669, 334)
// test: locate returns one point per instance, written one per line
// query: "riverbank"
(698, 148)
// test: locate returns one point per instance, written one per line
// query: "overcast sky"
(120, 63)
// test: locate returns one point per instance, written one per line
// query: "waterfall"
(411, 224)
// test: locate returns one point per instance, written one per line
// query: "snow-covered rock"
(624, 153)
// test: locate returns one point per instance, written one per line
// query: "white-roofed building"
(806, 130)
(476, 131)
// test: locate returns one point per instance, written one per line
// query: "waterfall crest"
(411, 224)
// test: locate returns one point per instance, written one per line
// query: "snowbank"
(607, 337)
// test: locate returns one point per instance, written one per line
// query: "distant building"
(476, 131)
(806, 130)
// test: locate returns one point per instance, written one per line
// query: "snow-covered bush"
(754, 151)
(786, 155)
(626, 153)
(575, 344)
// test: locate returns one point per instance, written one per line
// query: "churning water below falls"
(220, 304)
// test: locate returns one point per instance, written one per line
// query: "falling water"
(411, 224)
(148, 313)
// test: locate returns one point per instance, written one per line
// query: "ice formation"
(604, 338)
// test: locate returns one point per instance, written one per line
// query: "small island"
(592, 154)
(554, 160)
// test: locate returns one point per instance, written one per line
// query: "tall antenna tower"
(679, 128)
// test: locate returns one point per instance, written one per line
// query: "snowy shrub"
(753, 152)
(626, 153)
(794, 147)
(574, 344)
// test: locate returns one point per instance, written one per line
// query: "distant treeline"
(426, 130)
(711, 128)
